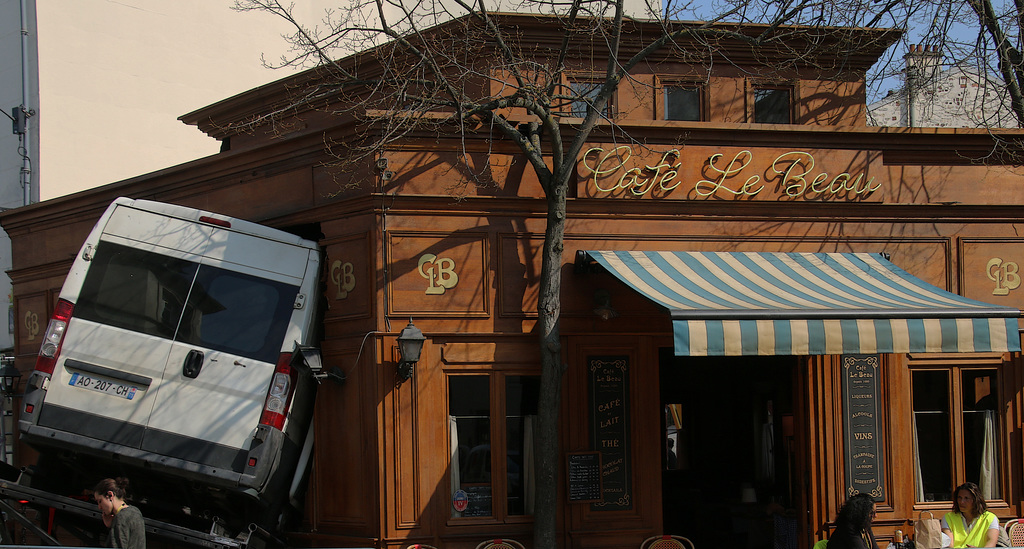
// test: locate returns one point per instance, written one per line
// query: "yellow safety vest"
(978, 534)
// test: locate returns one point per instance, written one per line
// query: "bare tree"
(981, 37)
(453, 67)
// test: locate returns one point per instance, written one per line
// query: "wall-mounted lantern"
(410, 344)
(9, 376)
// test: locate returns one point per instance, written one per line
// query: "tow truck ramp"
(73, 514)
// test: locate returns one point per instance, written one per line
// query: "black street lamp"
(410, 344)
(9, 376)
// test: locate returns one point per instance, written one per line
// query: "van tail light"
(54, 337)
(279, 396)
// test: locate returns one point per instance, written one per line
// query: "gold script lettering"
(31, 325)
(639, 181)
(708, 187)
(613, 172)
(343, 277)
(439, 272)
(796, 166)
(1006, 275)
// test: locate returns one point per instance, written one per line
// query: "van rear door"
(237, 320)
(119, 338)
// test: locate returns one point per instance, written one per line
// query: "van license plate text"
(103, 386)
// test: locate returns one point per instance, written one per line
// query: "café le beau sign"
(706, 173)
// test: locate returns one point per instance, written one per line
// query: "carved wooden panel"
(991, 271)
(438, 274)
(31, 317)
(350, 280)
(342, 492)
(405, 452)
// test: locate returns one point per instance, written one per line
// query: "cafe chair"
(500, 543)
(1015, 531)
(666, 541)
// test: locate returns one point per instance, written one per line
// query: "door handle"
(193, 363)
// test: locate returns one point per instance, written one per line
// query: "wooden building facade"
(659, 433)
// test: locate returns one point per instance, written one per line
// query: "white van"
(169, 359)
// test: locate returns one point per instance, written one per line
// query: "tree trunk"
(546, 457)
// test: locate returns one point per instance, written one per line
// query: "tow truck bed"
(81, 511)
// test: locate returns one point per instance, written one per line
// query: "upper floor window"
(956, 431)
(682, 102)
(773, 105)
(584, 91)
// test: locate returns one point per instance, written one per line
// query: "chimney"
(922, 71)
(922, 62)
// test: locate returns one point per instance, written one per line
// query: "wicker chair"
(500, 543)
(1015, 531)
(667, 541)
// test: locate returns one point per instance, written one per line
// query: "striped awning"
(762, 303)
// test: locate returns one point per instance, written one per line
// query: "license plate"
(109, 387)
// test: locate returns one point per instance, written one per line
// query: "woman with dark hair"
(970, 524)
(127, 528)
(853, 524)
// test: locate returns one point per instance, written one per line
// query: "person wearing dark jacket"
(853, 524)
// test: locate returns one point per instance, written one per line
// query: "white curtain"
(529, 475)
(453, 431)
(989, 474)
(918, 483)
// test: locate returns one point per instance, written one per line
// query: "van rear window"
(237, 313)
(135, 290)
(196, 305)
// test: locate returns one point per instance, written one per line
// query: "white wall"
(955, 98)
(115, 76)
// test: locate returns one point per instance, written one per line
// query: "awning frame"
(788, 303)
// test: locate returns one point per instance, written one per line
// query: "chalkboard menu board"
(479, 500)
(862, 423)
(584, 474)
(609, 429)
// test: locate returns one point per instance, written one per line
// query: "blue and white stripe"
(765, 303)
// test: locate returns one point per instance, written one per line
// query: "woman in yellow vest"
(970, 524)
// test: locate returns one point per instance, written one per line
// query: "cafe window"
(773, 105)
(956, 431)
(681, 102)
(583, 93)
(491, 418)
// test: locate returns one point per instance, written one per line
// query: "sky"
(117, 74)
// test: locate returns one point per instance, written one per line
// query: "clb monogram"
(1006, 275)
(439, 272)
(31, 325)
(342, 277)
